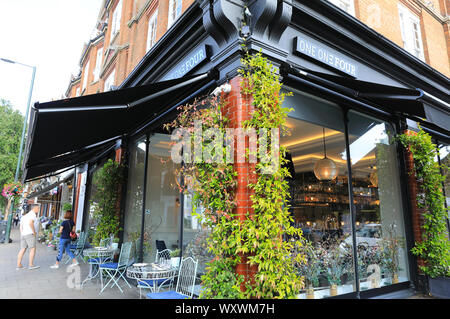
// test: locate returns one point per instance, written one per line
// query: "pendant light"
(325, 169)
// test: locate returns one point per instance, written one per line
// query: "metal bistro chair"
(117, 270)
(185, 283)
(78, 248)
(162, 258)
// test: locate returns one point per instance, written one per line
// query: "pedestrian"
(67, 226)
(16, 219)
(28, 225)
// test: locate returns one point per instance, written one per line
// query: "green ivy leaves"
(434, 248)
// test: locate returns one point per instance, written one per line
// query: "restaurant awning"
(389, 98)
(71, 131)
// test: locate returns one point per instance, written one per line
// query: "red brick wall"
(239, 109)
(416, 213)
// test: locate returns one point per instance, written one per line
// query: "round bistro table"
(160, 274)
(97, 256)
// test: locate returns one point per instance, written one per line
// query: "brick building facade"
(355, 86)
(120, 53)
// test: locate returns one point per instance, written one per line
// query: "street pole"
(16, 177)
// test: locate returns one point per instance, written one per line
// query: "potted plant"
(390, 245)
(175, 257)
(312, 268)
(66, 207)
(335, 266)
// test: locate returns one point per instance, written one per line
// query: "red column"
(416, 213)
(239, 108)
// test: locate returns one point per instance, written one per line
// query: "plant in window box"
(335, 266)
(312, 269)
(390, 246)
(175, 257)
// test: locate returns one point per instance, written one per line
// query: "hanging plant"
(12, 190)
(434, 246)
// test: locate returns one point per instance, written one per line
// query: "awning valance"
(71, 131)
(389, 98)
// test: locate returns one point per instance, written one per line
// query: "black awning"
(69, 131)
(389, 98)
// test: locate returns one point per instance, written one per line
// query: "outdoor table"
(160, 273)
(96, 255)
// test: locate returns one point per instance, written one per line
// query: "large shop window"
(135, 191)
(162, 199)
(380, 231)
(320, 196)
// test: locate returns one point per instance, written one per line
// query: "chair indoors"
(160, 245)
(115, 271)
(162, 258)
(185, 283)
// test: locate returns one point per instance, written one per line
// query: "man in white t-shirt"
(28, 236)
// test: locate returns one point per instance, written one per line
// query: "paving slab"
(47, 283)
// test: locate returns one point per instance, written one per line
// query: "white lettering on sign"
(189, 63)
(326, 56)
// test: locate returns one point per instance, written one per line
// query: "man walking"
(28, 237)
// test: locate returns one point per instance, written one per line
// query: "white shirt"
(25, 223)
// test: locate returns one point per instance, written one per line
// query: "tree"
(11, 122)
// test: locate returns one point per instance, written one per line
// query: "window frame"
(151, 30)
(85, 76)
(340, 3)
(109, 81)
(98, 62)
(174, 11)
(411, 32)
(116, 19)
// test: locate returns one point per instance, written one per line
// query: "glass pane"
(444, 155)
(380, 232)
(162, 209)
(195, 235)
(319, 193)
(133, 215)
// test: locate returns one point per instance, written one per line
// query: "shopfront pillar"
(238, 109)
(416, 212)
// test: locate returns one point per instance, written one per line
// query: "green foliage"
(214, 187)
(106, 211)
(260, 237)
(67, 206)
(265, 231)
(434, 248)
(11, 124)
(175, 253)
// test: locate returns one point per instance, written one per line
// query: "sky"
(47, 34)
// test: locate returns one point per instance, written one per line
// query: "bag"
(73, 235)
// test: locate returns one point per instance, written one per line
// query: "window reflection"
(321, 207)
(382, 257)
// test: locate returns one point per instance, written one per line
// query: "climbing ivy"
(434, 247)
(263, 237)
(267, 230)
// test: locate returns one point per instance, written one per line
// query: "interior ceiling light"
(325, 169)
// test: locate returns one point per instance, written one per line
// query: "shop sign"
(325, 55)
(193, 60)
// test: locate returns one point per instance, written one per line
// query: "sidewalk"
(47, 283)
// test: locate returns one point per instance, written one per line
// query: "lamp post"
(16, 177)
